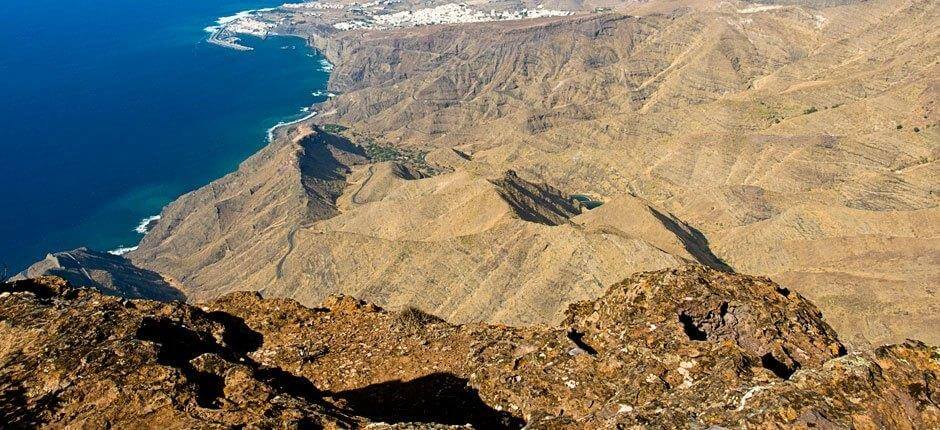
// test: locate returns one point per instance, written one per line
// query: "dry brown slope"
(467, 246)
(245, 220)
(741, 121)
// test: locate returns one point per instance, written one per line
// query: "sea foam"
(122, 250)
(283, 123)
(144, 223)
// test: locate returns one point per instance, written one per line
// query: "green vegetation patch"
(410, 157)
(334, 128)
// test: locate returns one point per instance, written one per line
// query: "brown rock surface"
(76, 358)
(679, 348)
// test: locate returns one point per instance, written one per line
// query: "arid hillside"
(679, 348)
(465, 245)
(795, 141)
(799, 140)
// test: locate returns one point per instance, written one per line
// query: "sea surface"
(110, 109)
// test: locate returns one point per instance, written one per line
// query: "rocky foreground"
(680, 348)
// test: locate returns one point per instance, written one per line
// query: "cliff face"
(687, 347)
(243, 221)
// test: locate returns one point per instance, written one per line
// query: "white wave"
(122, 250)
(144, 223)
(325, 65)
(322, 94)
(283, 123)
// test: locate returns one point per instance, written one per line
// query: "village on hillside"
(341, 16)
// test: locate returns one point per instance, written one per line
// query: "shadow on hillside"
(324, 163)
(114, 275)
(17, 410)
(693, 241)
(441, 398)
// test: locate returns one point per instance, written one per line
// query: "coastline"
(273, 128)
(147, 223)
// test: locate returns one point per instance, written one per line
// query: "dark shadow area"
(690, 328)
(440, 398)
(324, 164)
(578, 339)
(328, 156)
(40, 290)
(209, 386)
(237, 335)
(779, 368)
(288, 382)
(539, 203)
(110, 274)
(180, 344)
(15, 409)
(693, 241)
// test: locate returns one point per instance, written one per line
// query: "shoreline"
(146, 223)
(270, 134)
(123, 250)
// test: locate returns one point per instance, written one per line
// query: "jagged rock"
(75, 357)
(676, 348)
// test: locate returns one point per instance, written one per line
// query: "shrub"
(334, 128)
(413, 319)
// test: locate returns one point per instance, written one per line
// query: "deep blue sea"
(110, 109)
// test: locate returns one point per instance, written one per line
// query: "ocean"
(113, 108)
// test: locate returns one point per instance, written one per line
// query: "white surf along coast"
(325, 66)
(122, 250)
(143, 227)
(225, 33)
(145, 223)
(271, 130)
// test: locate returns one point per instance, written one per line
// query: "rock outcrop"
(680, 348)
